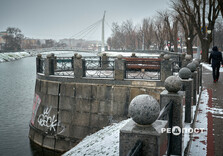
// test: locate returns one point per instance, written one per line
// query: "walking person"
(215, 59)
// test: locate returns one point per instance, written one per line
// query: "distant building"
(49, 43)
(30, 43)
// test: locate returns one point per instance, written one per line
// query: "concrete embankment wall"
(66, 112)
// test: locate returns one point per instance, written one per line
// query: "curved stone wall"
(66, 112)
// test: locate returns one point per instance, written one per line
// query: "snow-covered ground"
(101, 143)
(5, 57)
(128, 54)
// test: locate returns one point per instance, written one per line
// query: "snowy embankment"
(101, 143)
(6, 57)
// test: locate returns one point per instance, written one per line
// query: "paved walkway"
(209, 117)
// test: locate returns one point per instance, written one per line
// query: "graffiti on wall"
(46, 120)
(50, 122)
(36, 103)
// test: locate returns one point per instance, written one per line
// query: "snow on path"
(199, 142)
(208, 67)
(202, 143)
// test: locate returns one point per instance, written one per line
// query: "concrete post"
(120, 68)
(153, 140)
(55, 63)
(144, 127)
(39, 67)
(187, 86)
(196, 62)
(166, 67)
(49, 65)
(173, 85)
(194, 77)
(79, 66)
(104, 61)
(201, 71)
(186, 60)
(181, 58)
(198, 80)
(192, 67)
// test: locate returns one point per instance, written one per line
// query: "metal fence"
(143, 69)
(99, 69)
(63, 66)
(42, 65)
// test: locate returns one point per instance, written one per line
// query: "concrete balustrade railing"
(144, 128)
(48, 66)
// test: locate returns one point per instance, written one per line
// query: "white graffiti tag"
(46, 120)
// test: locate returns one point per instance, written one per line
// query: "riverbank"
(11, 56)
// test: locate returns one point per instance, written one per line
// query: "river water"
(17, 83)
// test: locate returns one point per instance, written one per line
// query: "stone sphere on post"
(172, 84)
(183, 55)
(192, 67)
(161, 55)
(144, 109)
(166, 57)
(198, 60)
(48, 56)
(119, 56)
(196, 63)
(185, 73)
(79, 56)
(133, 55)
(39, 55)
(188, 57)
(75, 55)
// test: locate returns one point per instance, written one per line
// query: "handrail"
(136, 150)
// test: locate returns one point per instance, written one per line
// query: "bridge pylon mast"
(103, 33)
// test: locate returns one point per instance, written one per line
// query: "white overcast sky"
(59, 19)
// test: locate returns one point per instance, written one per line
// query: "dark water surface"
(17, 83)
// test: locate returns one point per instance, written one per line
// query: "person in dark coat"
(215, 59)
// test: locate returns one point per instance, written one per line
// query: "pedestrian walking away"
(215, 60)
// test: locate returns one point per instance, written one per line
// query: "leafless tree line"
(185, 21)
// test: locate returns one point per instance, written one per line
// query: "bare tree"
(203, 14)
(220, 3)
(147, 32)
(130, 35)
(118, 39)
(172, 28)
(186, 23)
(160, 33)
